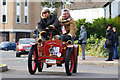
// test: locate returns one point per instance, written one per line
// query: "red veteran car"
(53, 52)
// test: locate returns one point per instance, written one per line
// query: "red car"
(23, 46)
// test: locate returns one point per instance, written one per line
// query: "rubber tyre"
(32, 54)
(6, 49)
(69, 58)
(40, 66)
(17, 54)
(14, 49)
(75, 65)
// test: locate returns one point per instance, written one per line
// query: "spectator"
(116, 37)
(109, 42)
(83, 40)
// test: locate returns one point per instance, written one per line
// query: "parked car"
(23, 46)
(7, 46)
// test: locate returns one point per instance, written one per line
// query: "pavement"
(92, 60)
(3, 68)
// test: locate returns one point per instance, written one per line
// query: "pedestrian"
(116, 37)
(109, 42)
(83, 40)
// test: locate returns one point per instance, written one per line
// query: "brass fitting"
(69, 42)
(39, 40)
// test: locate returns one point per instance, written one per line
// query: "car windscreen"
(27, 41)
(4, 43)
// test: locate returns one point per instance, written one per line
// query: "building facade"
(115, 9)
(18, 19)
(87, 10)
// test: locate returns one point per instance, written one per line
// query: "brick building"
(18, 19)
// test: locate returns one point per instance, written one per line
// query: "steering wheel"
(52, 32)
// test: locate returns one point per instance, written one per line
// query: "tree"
(52, 4)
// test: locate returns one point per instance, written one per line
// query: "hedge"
(98, 26)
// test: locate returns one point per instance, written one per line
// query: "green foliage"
(45, 4)
(95, 46)
(82, 22)
(51, 4)
(96, 31)
(55, 5)
(98, 26)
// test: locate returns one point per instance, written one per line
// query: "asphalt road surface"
(18, 69)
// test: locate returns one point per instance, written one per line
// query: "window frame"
(26, 3)
(18, 1)
(17, 19)
(5, 11)
(4, 2)
(26, 13)
(25, 19)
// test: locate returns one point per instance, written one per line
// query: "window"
(26, 19)
(4, 2)
(4, 18)
(27, 35)
(18, 3)
(18, 19)
(25, 2)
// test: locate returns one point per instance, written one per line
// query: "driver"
(47, 20)
(68, 26)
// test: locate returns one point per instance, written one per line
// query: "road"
(18, 69)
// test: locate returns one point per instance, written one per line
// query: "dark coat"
(46, 22)
(116, 37)
(110, 36)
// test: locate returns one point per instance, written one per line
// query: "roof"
(87, 5)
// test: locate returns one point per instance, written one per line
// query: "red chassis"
(51, 52)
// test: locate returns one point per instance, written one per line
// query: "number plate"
(51, 61)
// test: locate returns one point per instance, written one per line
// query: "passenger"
(68, 26)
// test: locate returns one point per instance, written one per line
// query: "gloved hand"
(68, 37)
(43, 33)
(51, 26)
(117, 44)
(34, 35)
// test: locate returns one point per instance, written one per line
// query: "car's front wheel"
(32, 60)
